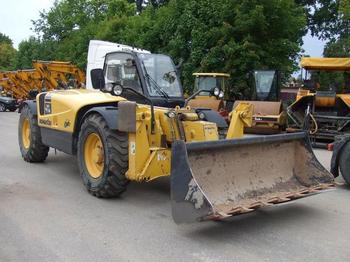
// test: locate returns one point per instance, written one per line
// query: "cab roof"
(211, 74)
(325, 64)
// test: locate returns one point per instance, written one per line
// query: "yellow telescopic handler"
(135, 127)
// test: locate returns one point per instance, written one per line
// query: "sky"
(16, 16)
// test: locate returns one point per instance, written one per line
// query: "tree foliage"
(223, 35)
(328, 19)
(34, 49)
(4, 39)
(7, 53)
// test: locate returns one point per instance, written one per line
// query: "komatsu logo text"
(46, 122)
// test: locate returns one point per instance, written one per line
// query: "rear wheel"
(29, 138)
(344, 163)
(2, 107)
(102, 158)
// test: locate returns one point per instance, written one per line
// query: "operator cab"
(208, 81)
(152, 75)
(266, 83)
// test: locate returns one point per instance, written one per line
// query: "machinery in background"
(328, 109)
(268, 116)
(60, 75)
(10, 89)
(22, 85)
(47, 75)
(30, 78)
(204, 83)
(132, 128)
(205, 103)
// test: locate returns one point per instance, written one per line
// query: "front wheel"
(344, 163)
(102, 158)
(29, 138)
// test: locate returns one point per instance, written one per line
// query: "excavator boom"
(56, 72)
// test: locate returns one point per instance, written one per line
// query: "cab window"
(121, 68)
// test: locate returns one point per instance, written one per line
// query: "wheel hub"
(26, 133)
(94, 155)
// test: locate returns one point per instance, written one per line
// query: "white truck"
(97, 53)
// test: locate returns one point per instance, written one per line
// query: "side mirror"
(97, 78)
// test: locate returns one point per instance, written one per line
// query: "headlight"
(171, 114)
(216, 91)
(201, 116)
(47, 108)
(117, 90)
(221, 95)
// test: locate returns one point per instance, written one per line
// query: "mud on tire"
(112, 181)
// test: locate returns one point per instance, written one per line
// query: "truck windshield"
(160, 74)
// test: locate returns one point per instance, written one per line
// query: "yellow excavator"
(323, 107)
(123, 131)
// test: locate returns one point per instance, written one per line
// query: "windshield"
(335, 81)
(160, 74)
(120, 68)
(208, 83)
(263, 83)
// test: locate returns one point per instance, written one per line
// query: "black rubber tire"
(113, 181)
(344, 163)
(37, 151)
(13, 110)
(2, 107)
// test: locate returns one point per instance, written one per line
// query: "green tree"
(69, 26)
(223, 35)
(327, 19)
(339, 48)
(5, 39)
(7, 53)
(33, 49)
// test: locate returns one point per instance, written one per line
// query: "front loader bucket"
(218, 179)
